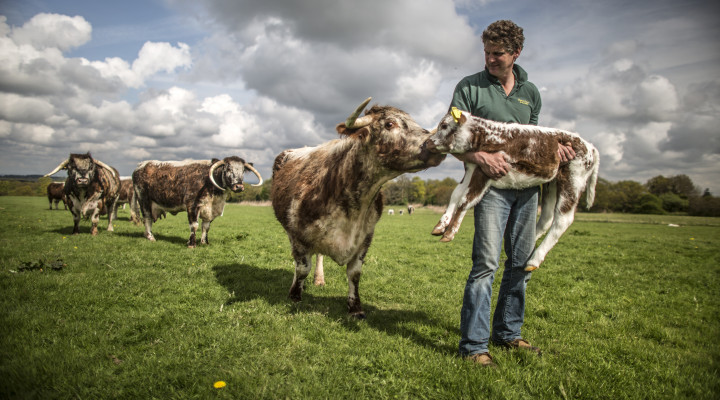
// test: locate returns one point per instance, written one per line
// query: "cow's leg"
(193, 221)
(455, 198)
(76, 222)
(204, 239)
(549, 198)
(148, 219)
(319, 271)
(567, 200)
(354, 271)
(95, 219)
(302, 270)
(51, 201)
(479, 184)
(112, 214)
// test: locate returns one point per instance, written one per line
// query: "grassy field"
(624, 307)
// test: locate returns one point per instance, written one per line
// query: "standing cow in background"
(328, 197)
(126, 196)
(197, 187)
(56, 193)
(91, 189)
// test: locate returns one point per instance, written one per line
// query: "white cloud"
(53, 31)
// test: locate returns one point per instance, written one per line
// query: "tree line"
(659, 195)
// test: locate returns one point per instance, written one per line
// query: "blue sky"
(178, 79)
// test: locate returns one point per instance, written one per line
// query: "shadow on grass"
(245, 282)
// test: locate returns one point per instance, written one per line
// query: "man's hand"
(566, 153)
(491, 164)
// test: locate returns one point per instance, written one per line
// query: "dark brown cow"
(56, 193)
(328, 197)
(532, 153)
(91, 189)
(190, 186)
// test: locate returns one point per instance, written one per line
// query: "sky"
(177, 79)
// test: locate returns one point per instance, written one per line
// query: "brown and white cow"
(195, 186)
(328, 197)
(532, 153)
(91, 189)
(126, 197)
(56, 193)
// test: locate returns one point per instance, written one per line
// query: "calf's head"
(229, 171)
(450, 135)
(396, 139)
(81, 169)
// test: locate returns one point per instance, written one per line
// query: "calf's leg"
(564, 214)
(549, 198)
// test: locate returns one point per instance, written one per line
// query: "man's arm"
(493, 165)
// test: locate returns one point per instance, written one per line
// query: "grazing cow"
(190, 186)
(56, 193)
(411, 209)
(391, 212)
(532, 153)
(328, 197)
(91, 189)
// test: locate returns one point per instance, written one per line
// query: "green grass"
(624, 307)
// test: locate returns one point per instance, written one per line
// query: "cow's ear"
(214, 160)
(342, 129)
(463, 119)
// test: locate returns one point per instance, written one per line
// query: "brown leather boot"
(521, 344)
(483, 359)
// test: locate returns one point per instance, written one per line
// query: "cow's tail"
(592, 180)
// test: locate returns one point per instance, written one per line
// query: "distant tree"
(625, 196)
(705, 206)
(649, 204)
(707, 193)
(683, 186)
(672, 202)
(418, 191)
(659, 185)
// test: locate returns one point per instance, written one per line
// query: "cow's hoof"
(319, 282)
(359, 315)
(94, 232)
(446, 239)
(191, 246)
(437, 231)
(530, 268)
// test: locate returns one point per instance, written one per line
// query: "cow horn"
(59, 167)
(212, 169)
(107, 167)
(254, 171)
(354, 122)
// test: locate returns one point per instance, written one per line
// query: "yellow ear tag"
(456, 114)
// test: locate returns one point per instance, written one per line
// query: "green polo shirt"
(483, 96)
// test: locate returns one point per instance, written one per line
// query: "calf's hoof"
(295, 295)
(446, 239)
(530, 268)
(437, 231)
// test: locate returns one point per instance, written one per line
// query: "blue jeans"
(509, 214)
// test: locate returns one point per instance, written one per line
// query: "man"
(502, 93)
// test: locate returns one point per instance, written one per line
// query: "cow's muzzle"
(237, 188)
(431, 158)
(82, 182)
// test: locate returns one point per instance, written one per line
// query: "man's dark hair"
(506, 34)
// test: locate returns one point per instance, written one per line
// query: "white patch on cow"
(173, 163)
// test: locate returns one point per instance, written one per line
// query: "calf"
(56, 193)
(532, 153)
(91, 189)
(190, 186)
(328, 197)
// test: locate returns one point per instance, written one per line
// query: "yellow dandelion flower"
(75, 247)
(692, 238)
(219, 384)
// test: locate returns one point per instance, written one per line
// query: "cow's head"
(81, 168)
(449, 136)
(229, 172)
(394, 136)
